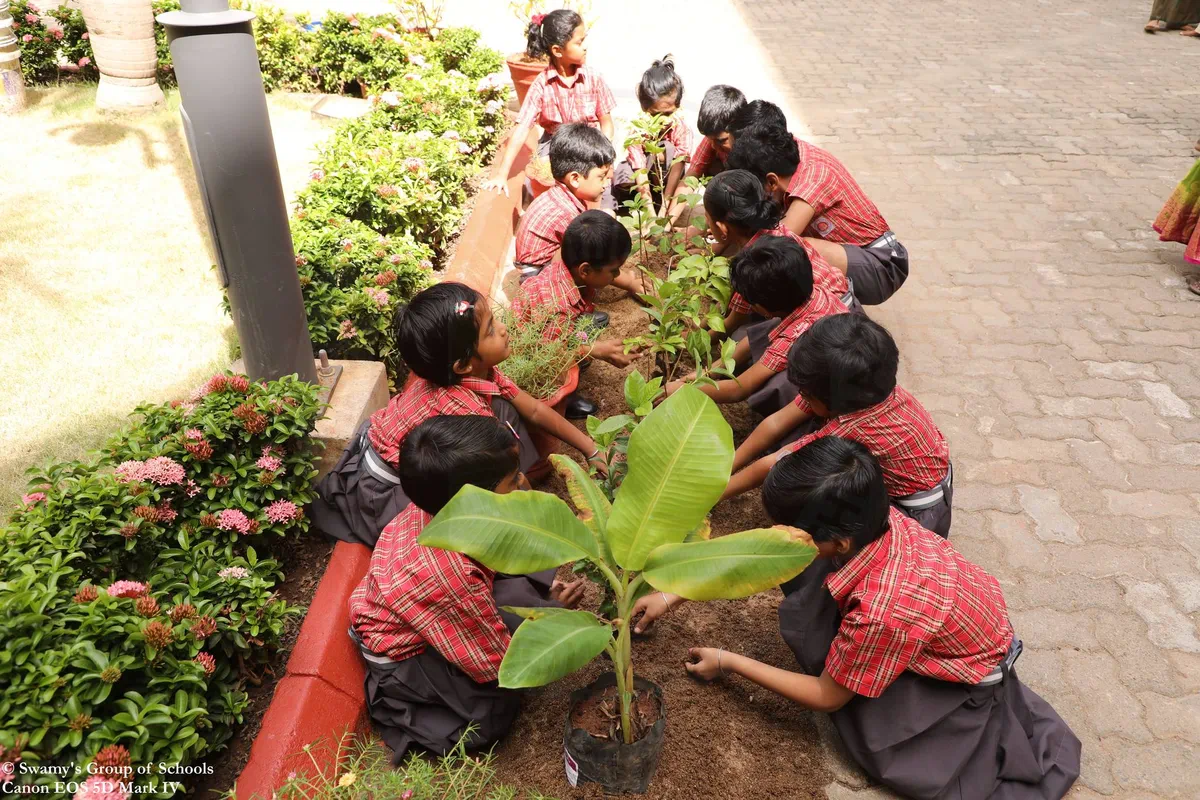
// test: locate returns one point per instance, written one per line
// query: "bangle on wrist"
(595, 453)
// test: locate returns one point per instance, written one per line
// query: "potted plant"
(122, 36)
(523, 67)
(652, 537)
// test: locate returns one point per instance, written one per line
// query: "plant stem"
(623, 665)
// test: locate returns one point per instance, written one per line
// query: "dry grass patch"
(107, 293)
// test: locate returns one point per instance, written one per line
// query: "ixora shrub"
(134, 602)
(652, 537)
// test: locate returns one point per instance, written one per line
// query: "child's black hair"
(555, 29)
(660, 82)
(578, 147)
(445, 453)
(774, 273)
(762, 149)
(719, 105)
(846, 361)
(757, 112)
(596, 239)
(737, 198)
(832, 488)
(437, 330)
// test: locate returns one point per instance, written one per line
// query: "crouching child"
(775, 277)
(904, 643)
(426, 620)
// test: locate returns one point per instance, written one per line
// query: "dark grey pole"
(229, 134)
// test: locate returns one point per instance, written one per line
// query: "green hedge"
(137, 587)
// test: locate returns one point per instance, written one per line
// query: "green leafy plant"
(37, 43)
(75, 45)
(137, 595)
(542, 347)
(647, 539)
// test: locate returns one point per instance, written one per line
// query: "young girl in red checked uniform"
(453, 343)
(566, 91)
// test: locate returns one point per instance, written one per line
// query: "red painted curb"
(321, 696)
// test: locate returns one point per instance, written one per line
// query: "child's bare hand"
(703, 662)
(598, 463)
(650, 607)
(496, 185)
(613, 351)
(569, 594)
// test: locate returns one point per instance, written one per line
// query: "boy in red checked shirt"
(717, 108)
(822, 202)
(428, 621)
(775, 277)
(594, 248)
(566, 92)
(844, 369)
(906, 645)
(581, 160)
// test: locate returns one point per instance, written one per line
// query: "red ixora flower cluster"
(86, 594)
(158, 635)
(159, 513)
(181, 612)
(254, 422)
(146, 606)
(207, 661)
(203, 628)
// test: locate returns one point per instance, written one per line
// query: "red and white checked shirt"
(543, 224)
(422, 400)
(707, 160)
(552, 102)
(679, 135)
(899, 432)
(785, 334)
(910, 601)
(842, 212)
(414, 597)
(553, 288)
(824, 274)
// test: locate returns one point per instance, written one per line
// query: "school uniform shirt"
(540, 233)
(824, 274)
(842, 212)
(899, 432)
(785, 334)
(910, 601)
(550, 102)
(554, 289)
(679, 135)
(707, 159)
(422, 400)
(414, 597)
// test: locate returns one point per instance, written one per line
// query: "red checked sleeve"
(802, 404)
(508, 389)
(776, 355)
(605, 102)
(531, 109)
(738, 303)
(460, 619)
(703, 156)
(636, 157)
(816, 186)
(867, 656)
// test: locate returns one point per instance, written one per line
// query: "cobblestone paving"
(1021, 150)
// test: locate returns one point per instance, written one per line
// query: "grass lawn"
(107, 294)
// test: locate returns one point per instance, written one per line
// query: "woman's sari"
(1177, 222)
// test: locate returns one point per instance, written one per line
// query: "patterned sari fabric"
(1176, 13)
(1177, 222)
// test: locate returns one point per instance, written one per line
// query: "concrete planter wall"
(122, 36)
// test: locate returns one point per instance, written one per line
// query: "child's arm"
(733, 391)
(768, 432)
(499, 180)
(650, 607)
(751, 477)
(816, 694)
(538, 413)
(674, 180)
(798, 216)
(734, 319)
(606, 126)
(612, 351)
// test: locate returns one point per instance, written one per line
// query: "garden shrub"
(39, 47)
(357, 55)
(136, 591)
(353, 279)
(75, 45)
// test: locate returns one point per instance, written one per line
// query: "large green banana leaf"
(679, 461)
(547, 648)
(515, 533)
(733, 566)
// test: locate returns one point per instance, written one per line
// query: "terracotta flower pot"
(524, 73)
(122, 36)
(544, 442)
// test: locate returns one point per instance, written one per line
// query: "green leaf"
(546, 649)
(590, 502)
(728, 567)
(533, 613)
(610, 425)
(679, 462)
(515, 533)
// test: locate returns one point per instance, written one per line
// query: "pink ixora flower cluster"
(127, 589)
(231, 519)
(159, 470)
(490, 83)
(379, 296)
(33, 497)
(102, 787)
(386, 190)
(268, 462)
(347, 330)
(283, 511)
(390, 98)
(234, 573)
(414, 164)
(317, 175)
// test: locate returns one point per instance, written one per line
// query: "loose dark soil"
(303, 561)
(728, 739)
(600, 714)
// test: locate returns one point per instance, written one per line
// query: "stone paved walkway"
(1021, 151)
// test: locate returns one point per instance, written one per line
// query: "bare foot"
(1193, 32)
(1155, 25)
